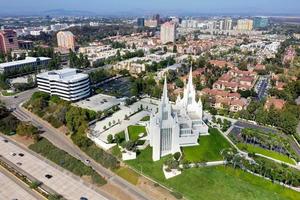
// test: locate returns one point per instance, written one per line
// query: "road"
(38, 168)
(14, 188)
(62, 141)
(262, 87)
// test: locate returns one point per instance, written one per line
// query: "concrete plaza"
(117, 121)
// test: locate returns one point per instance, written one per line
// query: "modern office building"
(8, 41)
(66, 39)
(66, 83)
(168, 32)
(175, 126)
(260, 22)
(29, 64)
(245, 25)
(140, 22)
(228, 24)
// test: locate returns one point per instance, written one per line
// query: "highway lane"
(14, 188)
(62, 141)
(35, 166)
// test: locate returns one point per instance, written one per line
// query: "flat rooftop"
(64, 75)
(27, 60)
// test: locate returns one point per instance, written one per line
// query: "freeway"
(52, 176)
(63, 142)
(13, 188)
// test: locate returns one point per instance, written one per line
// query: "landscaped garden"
(255, 149)
(211, 183)
(209, 148)
(60, 157)
(274, 145)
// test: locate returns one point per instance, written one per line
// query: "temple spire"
(165, 91)
(190, 81)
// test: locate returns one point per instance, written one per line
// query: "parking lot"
(240, 125)
(11, 190)
(59, 180)
(261, 87)
(98, 102)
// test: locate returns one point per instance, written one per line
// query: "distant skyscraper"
(221, 25)
(66, 39)
(228, 24)
(245, 24)
(168, 32)
(212, 25)
(140, 22)
(260, 22)
(157, 18)
(8, 41)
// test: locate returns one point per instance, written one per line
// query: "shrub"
(177, 155)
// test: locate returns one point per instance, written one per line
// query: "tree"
(179, 83)
(28, 130)
(177, 155)
(110, 139)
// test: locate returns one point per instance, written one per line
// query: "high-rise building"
(168, 32)
(245, 25)
(260, 22)
(8, 41)
(221, 25)
(228, 24)
(140, 22)
(66, 39)
(176, 126)
(212, 25)
(157, 18)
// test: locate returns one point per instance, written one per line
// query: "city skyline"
(135, 7)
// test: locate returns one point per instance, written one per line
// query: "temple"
(175, 126)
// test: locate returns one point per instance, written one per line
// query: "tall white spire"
(165, 98)
(190, 86)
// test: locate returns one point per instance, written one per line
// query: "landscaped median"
(63, 159)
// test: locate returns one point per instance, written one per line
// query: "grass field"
(128, 174)
(213, 183)
(254, 149)
(135, 131)
(209, 148)
(146, 118)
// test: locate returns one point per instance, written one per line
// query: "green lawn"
(209, 148)
(145, 119)
(254, 149)
(128, 174)
(135, 131)
(213, 183)
(116, 151)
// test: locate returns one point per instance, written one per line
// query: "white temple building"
(175, 126)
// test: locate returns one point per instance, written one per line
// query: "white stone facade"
(175, 126)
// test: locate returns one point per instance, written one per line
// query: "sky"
(163, 6)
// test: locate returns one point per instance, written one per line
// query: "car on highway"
(87, 161)
(13, 154)
(48, 176)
